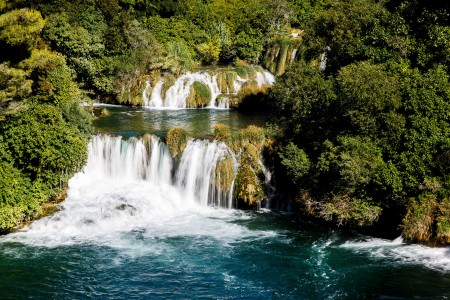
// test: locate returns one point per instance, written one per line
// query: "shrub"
(418, 222)
(176, 140)
(222, 132)
(241, 71)
(199, 96)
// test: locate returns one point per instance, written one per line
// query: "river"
(136, 228)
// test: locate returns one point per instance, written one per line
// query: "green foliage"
(210, 51)
(44, 145)
(374, 124)
(426, 101)
(43, 129)
(14, 84)
(296, 161)
(176, 140)
(354, 211)
(222, 132)
(304, 100)
(368, 94)
(179, 56)
(351, 166)
(46, 152)
(353, 30)
(18, 27)
(250, 44)
(199, 96)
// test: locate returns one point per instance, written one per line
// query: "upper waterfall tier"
(204, 89)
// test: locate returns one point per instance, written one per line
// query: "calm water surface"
(138, 120)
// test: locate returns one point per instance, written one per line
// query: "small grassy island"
(359, 134)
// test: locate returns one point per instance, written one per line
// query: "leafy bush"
(295, 160)
(199, 95)
(222, 132)
(176, 140)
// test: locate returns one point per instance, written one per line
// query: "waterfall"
(176, 95)
(147, 159)
(323, 59)
(264, 78)
(197, 175)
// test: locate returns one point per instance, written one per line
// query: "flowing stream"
(138, 224)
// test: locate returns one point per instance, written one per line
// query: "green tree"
(21, 27)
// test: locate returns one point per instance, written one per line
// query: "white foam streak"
(434, 258)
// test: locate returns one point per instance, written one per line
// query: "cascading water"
(176, 95)
(135, 183)
(148, 160)
(197, 177)
(139, 224)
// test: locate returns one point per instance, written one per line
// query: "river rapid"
(137, 226)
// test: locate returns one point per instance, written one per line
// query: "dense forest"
(367, 136)
(362, 115)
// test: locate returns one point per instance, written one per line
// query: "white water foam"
(264, 78)
(434, 258)
(133, 186)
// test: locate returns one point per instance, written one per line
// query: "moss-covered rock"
(251, 72)
(241, 71)
(419, 219)
(105, 112)
(222, 83)
(243, 68)
(224, 173)
(169, 81)
(443, 222)
(254, 135)
(248, 88)
(225, 81)
(147, 140)
(249, 184)
(231, 78)
(222, 132)
(248, 190)
(281, 52)
(199, 95)
(177, 139)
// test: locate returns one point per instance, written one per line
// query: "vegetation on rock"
(176, 140)
(199, 96)
(248, 143)
(224, 174)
